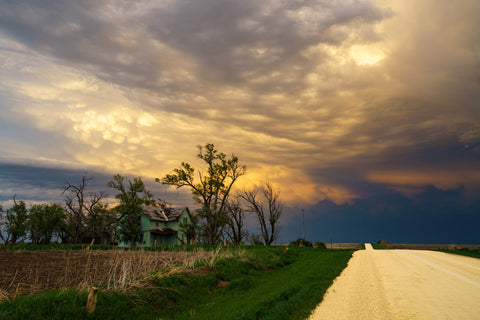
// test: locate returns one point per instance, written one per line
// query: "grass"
(251, 283)
(464, 252)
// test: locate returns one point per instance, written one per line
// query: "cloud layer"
(330, 100)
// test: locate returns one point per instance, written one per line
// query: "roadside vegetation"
(464, 252)
(379, 246)
(252, 282)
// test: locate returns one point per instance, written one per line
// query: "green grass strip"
(464, 252)
(263, 284)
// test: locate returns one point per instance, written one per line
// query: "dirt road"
(404, 284)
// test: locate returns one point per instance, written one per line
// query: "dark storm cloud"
(229, 42)
(39, 184)
(237, 41)
(46, 184)
(355, 102)
(433, 216)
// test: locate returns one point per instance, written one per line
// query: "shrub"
(320, 245)
(301, 243)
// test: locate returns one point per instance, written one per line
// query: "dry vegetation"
(24, 272)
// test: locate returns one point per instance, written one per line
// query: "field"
(33, 271)
(356, 246)
(246, 283)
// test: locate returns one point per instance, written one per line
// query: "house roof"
(163, 230)
(163, 214)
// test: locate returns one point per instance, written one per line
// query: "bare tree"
(82, 206)
(234, 230)
(268, 209)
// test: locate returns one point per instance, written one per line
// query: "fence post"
(92, 299)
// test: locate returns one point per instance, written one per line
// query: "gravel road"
(404, 284)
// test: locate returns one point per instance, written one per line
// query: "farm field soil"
(404, 284)
(24, 271)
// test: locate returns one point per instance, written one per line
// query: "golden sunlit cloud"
(295, 187)
(366, 54)
(410, 181)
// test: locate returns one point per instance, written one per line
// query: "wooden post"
(92, 299)
(91, 244)
(155, 243)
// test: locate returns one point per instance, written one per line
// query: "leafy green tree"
(132, 195)
(14, 222)
(44, 222)
(211, 189)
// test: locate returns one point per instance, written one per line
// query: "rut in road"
(404, 284)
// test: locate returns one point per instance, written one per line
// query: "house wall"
(180, 234)
(149, 238)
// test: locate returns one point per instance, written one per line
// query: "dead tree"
(268, 209)
(234, 230)
(82, 211)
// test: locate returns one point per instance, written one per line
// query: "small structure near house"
(161, 226)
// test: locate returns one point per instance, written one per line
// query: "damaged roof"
(163, 214)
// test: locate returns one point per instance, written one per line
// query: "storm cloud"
(332, 101)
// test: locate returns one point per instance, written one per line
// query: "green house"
(161, 226)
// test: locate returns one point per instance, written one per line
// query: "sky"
(365, 114)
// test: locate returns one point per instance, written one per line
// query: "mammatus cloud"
(327, 99)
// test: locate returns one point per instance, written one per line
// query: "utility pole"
(303, 225)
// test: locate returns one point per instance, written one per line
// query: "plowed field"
(23, 271)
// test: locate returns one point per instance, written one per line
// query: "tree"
(212, 188)
(234, 230)
(14, 222)
(81, 207)
(101, 224)
(44, 222)
(268, 210)
(189, 229)
(133, 194)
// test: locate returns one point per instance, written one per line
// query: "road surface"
(404, 284)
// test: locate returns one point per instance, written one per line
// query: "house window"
(156, 223)
(184, 220)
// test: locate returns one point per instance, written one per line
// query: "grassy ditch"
(464, 252)
(252, 283)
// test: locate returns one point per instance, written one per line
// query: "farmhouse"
(161, 226)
